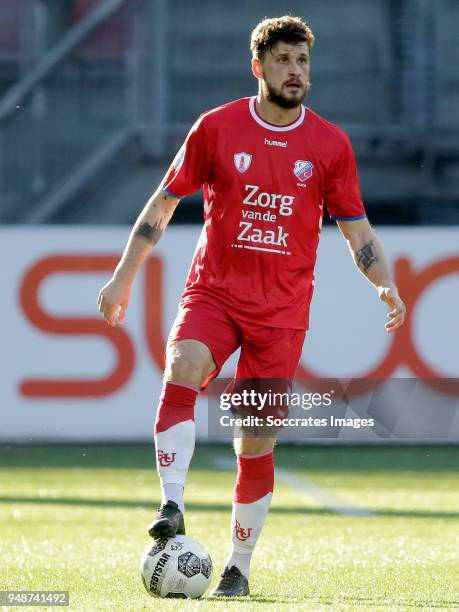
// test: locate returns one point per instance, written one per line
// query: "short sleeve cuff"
(173, 195)
(347, 218)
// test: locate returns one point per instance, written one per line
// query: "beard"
(276, 96)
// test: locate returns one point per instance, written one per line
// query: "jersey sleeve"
(342, 193)
(190, 167)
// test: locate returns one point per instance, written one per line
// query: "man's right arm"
(114, 297)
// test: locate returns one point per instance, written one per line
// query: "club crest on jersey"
(242, 161)
(165, 459)
(303, 170)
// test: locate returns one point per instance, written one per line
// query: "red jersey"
(265, 187)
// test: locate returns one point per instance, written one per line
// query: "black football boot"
(232, 584)
(168, 522)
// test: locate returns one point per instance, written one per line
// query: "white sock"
(170, 491)
(241, 561)
(246, 524)
(174, 450)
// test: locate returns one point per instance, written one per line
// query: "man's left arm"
(368, 254)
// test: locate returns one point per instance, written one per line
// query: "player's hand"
(397, 313)
(113, 301)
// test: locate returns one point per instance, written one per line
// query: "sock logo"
(165, 459)
(241, 533)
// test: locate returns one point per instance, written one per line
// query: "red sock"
(255, 477)
(176, 404)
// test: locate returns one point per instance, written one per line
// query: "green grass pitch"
(74, 517)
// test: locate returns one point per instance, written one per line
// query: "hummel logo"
(276, 143)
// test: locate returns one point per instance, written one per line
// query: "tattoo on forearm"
(367, 256)
(151, 232)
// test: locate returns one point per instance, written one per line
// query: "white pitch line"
(327, 499)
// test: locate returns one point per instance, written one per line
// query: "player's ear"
(257, 69)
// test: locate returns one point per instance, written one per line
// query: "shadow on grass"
(212, 507)
(311, 458)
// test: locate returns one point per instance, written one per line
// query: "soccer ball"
(176, 567)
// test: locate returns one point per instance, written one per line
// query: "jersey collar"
(270, 126)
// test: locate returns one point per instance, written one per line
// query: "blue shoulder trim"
(169, 193)
(348, 218)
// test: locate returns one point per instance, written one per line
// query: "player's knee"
(184, 366)
(180, 368)
(248, 445)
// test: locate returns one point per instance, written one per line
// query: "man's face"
(284, 73)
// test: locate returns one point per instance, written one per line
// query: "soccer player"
(268, 166)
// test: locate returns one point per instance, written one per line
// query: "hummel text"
(276, 143)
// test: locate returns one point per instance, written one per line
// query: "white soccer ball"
(176, 567)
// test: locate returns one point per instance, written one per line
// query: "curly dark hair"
(272, 30)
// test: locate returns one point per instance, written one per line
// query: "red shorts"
(266, 352)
